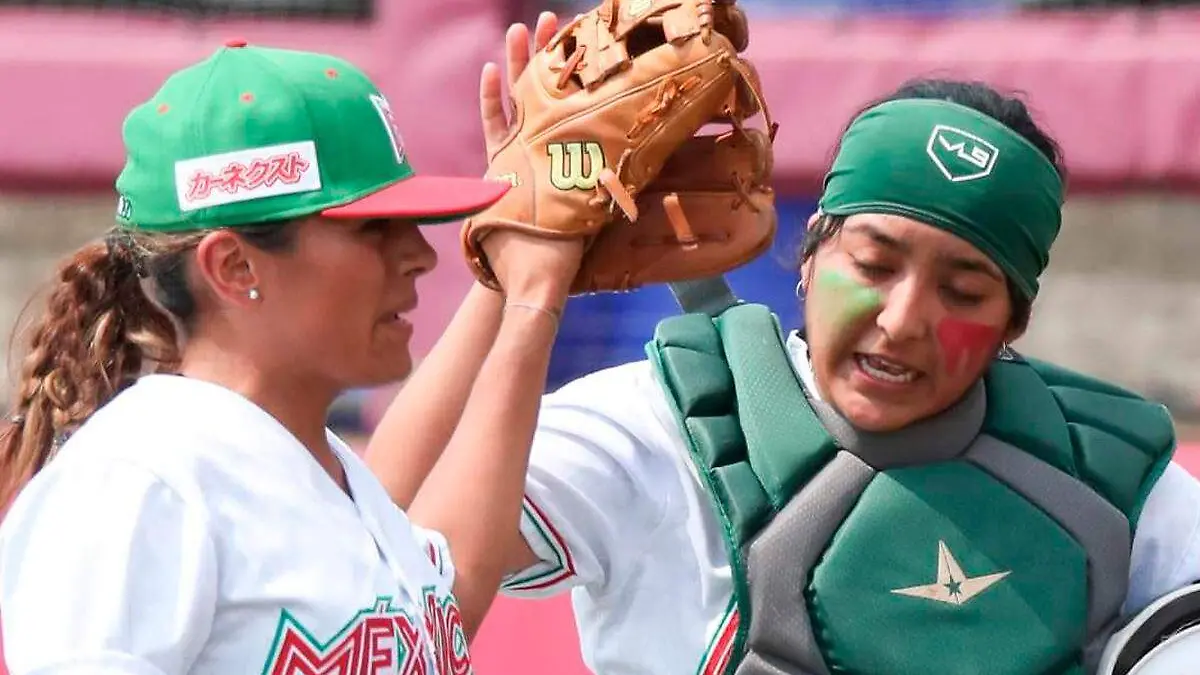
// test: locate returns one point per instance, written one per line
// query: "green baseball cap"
(254, 134)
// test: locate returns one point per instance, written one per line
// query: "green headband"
(956, 169)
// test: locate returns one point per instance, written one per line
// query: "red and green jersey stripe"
(561, 568)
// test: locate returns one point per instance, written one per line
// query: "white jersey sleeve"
(1166, 546)
(601, 478)
(105, 569)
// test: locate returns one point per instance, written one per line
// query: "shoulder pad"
(1113, 439)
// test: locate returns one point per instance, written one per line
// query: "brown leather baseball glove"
(710, 210)
(598, 113)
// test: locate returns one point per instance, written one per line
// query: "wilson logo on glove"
(568, 168)
(653, 202)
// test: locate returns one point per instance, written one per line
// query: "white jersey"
(616, 512)
(184, 530)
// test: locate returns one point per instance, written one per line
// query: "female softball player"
(892, 489)
(182, 507)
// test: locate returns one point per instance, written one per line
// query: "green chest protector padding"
(1009, 555)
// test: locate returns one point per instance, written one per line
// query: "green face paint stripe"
(851, 298)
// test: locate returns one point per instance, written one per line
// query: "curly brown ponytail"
(99, 332)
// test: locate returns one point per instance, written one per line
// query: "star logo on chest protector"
(953, 586)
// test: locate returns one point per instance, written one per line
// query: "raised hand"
(492, 111)
(531, 269)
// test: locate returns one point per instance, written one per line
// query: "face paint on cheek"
(966, 344)
(845, 299)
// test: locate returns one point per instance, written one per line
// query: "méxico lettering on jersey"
(380, 639)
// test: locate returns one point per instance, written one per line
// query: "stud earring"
(253, 294)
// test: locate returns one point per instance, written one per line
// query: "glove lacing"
(609, 185)
(684, 232)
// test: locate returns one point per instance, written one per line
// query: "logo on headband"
(960, 156)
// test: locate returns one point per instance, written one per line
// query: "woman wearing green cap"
(892, 489)
(182, 507)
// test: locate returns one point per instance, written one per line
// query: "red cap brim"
(425, 198)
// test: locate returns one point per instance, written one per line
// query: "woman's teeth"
(885, 370)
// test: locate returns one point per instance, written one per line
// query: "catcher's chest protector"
(994, 538)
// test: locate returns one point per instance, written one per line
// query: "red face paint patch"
(965, 344)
